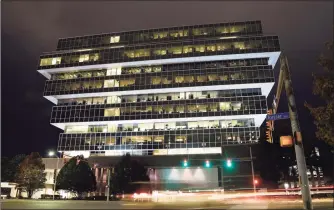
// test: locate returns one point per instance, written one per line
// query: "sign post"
(278, 116)
(299, 150)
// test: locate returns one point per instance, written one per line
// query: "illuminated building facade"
(167, 91)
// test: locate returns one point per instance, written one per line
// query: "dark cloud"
(32, 27)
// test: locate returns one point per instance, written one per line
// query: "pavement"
(323, 204)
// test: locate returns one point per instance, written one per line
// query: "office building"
(188, 90)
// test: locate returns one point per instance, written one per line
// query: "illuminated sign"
(286, 141)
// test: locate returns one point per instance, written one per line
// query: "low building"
(52, 166)
(8, 189)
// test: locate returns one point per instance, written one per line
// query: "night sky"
(31, 27)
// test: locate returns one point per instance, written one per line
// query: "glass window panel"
(160, 52)
(222, 46)
(76, 129)
(224, 106)
(200, 48)
(158, 138)
(189, 79)
(114, 39)
(239, 45)
(83, 58)
(175, 50)
(179, 79)
(202, 78)
(222, 30)
(211, 48)
(112, 112)
(236, 106)
(127, 82)
(187, 49)
(213, 77)
(155, 80)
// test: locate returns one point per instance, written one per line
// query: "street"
(245, 204)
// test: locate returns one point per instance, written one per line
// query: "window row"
(150, 148)
(166, 126)
(156, 111)
(160, 97)
(86, 116)
(160, 68)
(160, 34)
(175, 50)
(200, 138)
(73, 59)
(210, 48)
(179, 131)
(81, 74)
(144, 76)
(159, 81)
(160, 103)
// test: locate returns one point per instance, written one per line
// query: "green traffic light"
(229, 163)
(207, 164)
(185, 163)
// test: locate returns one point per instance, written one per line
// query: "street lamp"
(255, 182)
(51, 154)
(286, 186)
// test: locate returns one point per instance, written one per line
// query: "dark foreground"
(246, 204)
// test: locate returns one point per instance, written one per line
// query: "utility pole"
(108, 192)
(253, 181)
(298, 144)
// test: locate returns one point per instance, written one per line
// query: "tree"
(4, 169)
(30, 175)
(9, 167)
(127, 174)
(323, 86)
(76, 176)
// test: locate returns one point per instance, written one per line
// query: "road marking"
(210, 207)
(258, 206)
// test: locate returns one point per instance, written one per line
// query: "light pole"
(295, 127)
(51, 154)
(253, 175)
(286, 186)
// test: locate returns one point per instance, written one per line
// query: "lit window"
(84, 58)
(94, 57)
(50, 61)
(112, 112)
(76, 129)
(44, 62)
(56, 61)
(317, 151)
(224, 106)
(114, 39)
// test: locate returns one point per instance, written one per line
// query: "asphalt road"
(258, 205)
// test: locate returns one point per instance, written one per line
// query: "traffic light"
(229, 163)
(269, 125)
(298, 137)
(207, 164)
(185, 163)
(286, 141)
(269, 136)
(256, 181)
